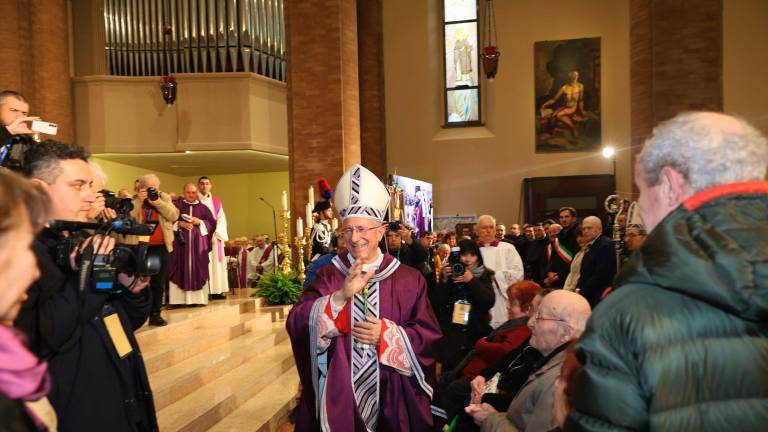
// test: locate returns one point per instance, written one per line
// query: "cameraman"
(99, 379)
(150, 205)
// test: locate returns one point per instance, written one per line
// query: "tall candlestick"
(334, 224)
(284, 200)
(311, 195)
(299, 227)
(308, 209)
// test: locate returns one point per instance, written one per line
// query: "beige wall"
(246, 214)
(122, 176)
(227, 111)
(239, 194)
(745, 65)
(480, 170)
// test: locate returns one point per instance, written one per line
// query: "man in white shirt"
(217, 259)
(503, 259)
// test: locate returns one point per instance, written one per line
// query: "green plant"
(279, 288)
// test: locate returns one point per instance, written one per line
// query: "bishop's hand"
(353, 284)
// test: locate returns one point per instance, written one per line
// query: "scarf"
(478, 271)
(22, 375)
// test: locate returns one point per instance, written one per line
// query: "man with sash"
(503, 259)
(363, 332)
(217, 267)
(558, 259)
(188, 270)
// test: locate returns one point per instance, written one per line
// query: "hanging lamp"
(491, 51)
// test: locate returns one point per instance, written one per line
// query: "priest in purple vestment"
(188, 267)
(363, 333)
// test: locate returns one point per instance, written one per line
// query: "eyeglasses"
(538, 317)
(359, 230)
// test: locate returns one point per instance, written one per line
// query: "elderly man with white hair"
(559, 319)
(503, 259)
(598, 267)
(681, 344)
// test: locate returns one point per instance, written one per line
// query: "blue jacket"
(597, 269)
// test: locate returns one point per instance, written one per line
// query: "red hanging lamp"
(491, 51)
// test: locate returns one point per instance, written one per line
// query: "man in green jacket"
(682, 344)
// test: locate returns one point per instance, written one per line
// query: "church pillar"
(676, 61)
(323, 93)
(371, 55)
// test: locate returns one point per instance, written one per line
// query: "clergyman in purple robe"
(188, 268)
(363, 332)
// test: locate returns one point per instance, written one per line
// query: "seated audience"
(560, 318)
(508, 337)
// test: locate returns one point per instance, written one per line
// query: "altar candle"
(284, 200)
(311, 195)
(308, 209)
(299, 227)
(334, 224)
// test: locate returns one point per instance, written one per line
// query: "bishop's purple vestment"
(333, 369)
(188, 265)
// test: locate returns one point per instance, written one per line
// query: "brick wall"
(35, 58)
(676, 57)
(371, 62)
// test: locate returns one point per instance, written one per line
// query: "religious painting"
(461, 55)
(567, 80)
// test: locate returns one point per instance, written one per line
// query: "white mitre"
(359, 193)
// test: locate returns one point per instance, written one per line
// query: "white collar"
(192, 203)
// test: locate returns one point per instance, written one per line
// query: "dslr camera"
(153, 194)
(395, 225)
(458, 268)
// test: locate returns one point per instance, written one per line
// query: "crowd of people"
(529, 329)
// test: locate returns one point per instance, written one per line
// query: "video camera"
(12, 152)
(123, 258)
(458, 268)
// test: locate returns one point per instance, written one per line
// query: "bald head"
(561, 317)
(591, 228)
(190, 192)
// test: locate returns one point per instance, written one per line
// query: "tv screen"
(413, 203)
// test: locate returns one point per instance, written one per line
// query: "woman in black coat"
(462, 304)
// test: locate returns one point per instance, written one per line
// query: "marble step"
(181, 379)
(185, 320)
(267, 410)
(210, 403)
(179, 347)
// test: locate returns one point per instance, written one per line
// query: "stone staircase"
(227, 366)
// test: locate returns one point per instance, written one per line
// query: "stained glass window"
(462, 84)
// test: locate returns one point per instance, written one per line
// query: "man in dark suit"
(599, 264)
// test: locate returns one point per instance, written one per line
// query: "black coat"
(459, 339)
(93, 388)
(598, 267)
(14, 417)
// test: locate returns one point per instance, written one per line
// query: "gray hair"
(707, 148)
(147, 178)
(493, 219)
(97, 170)
(593, 220)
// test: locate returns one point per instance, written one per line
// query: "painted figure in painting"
(571, 113)
(462, 57)
(462, 107)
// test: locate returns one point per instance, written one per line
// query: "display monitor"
(413, 203)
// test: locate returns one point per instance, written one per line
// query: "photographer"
(152, 206)
(85, 332)
(14, 115)
(400, 244)
(462, 302)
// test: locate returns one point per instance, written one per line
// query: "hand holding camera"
(153, 196)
